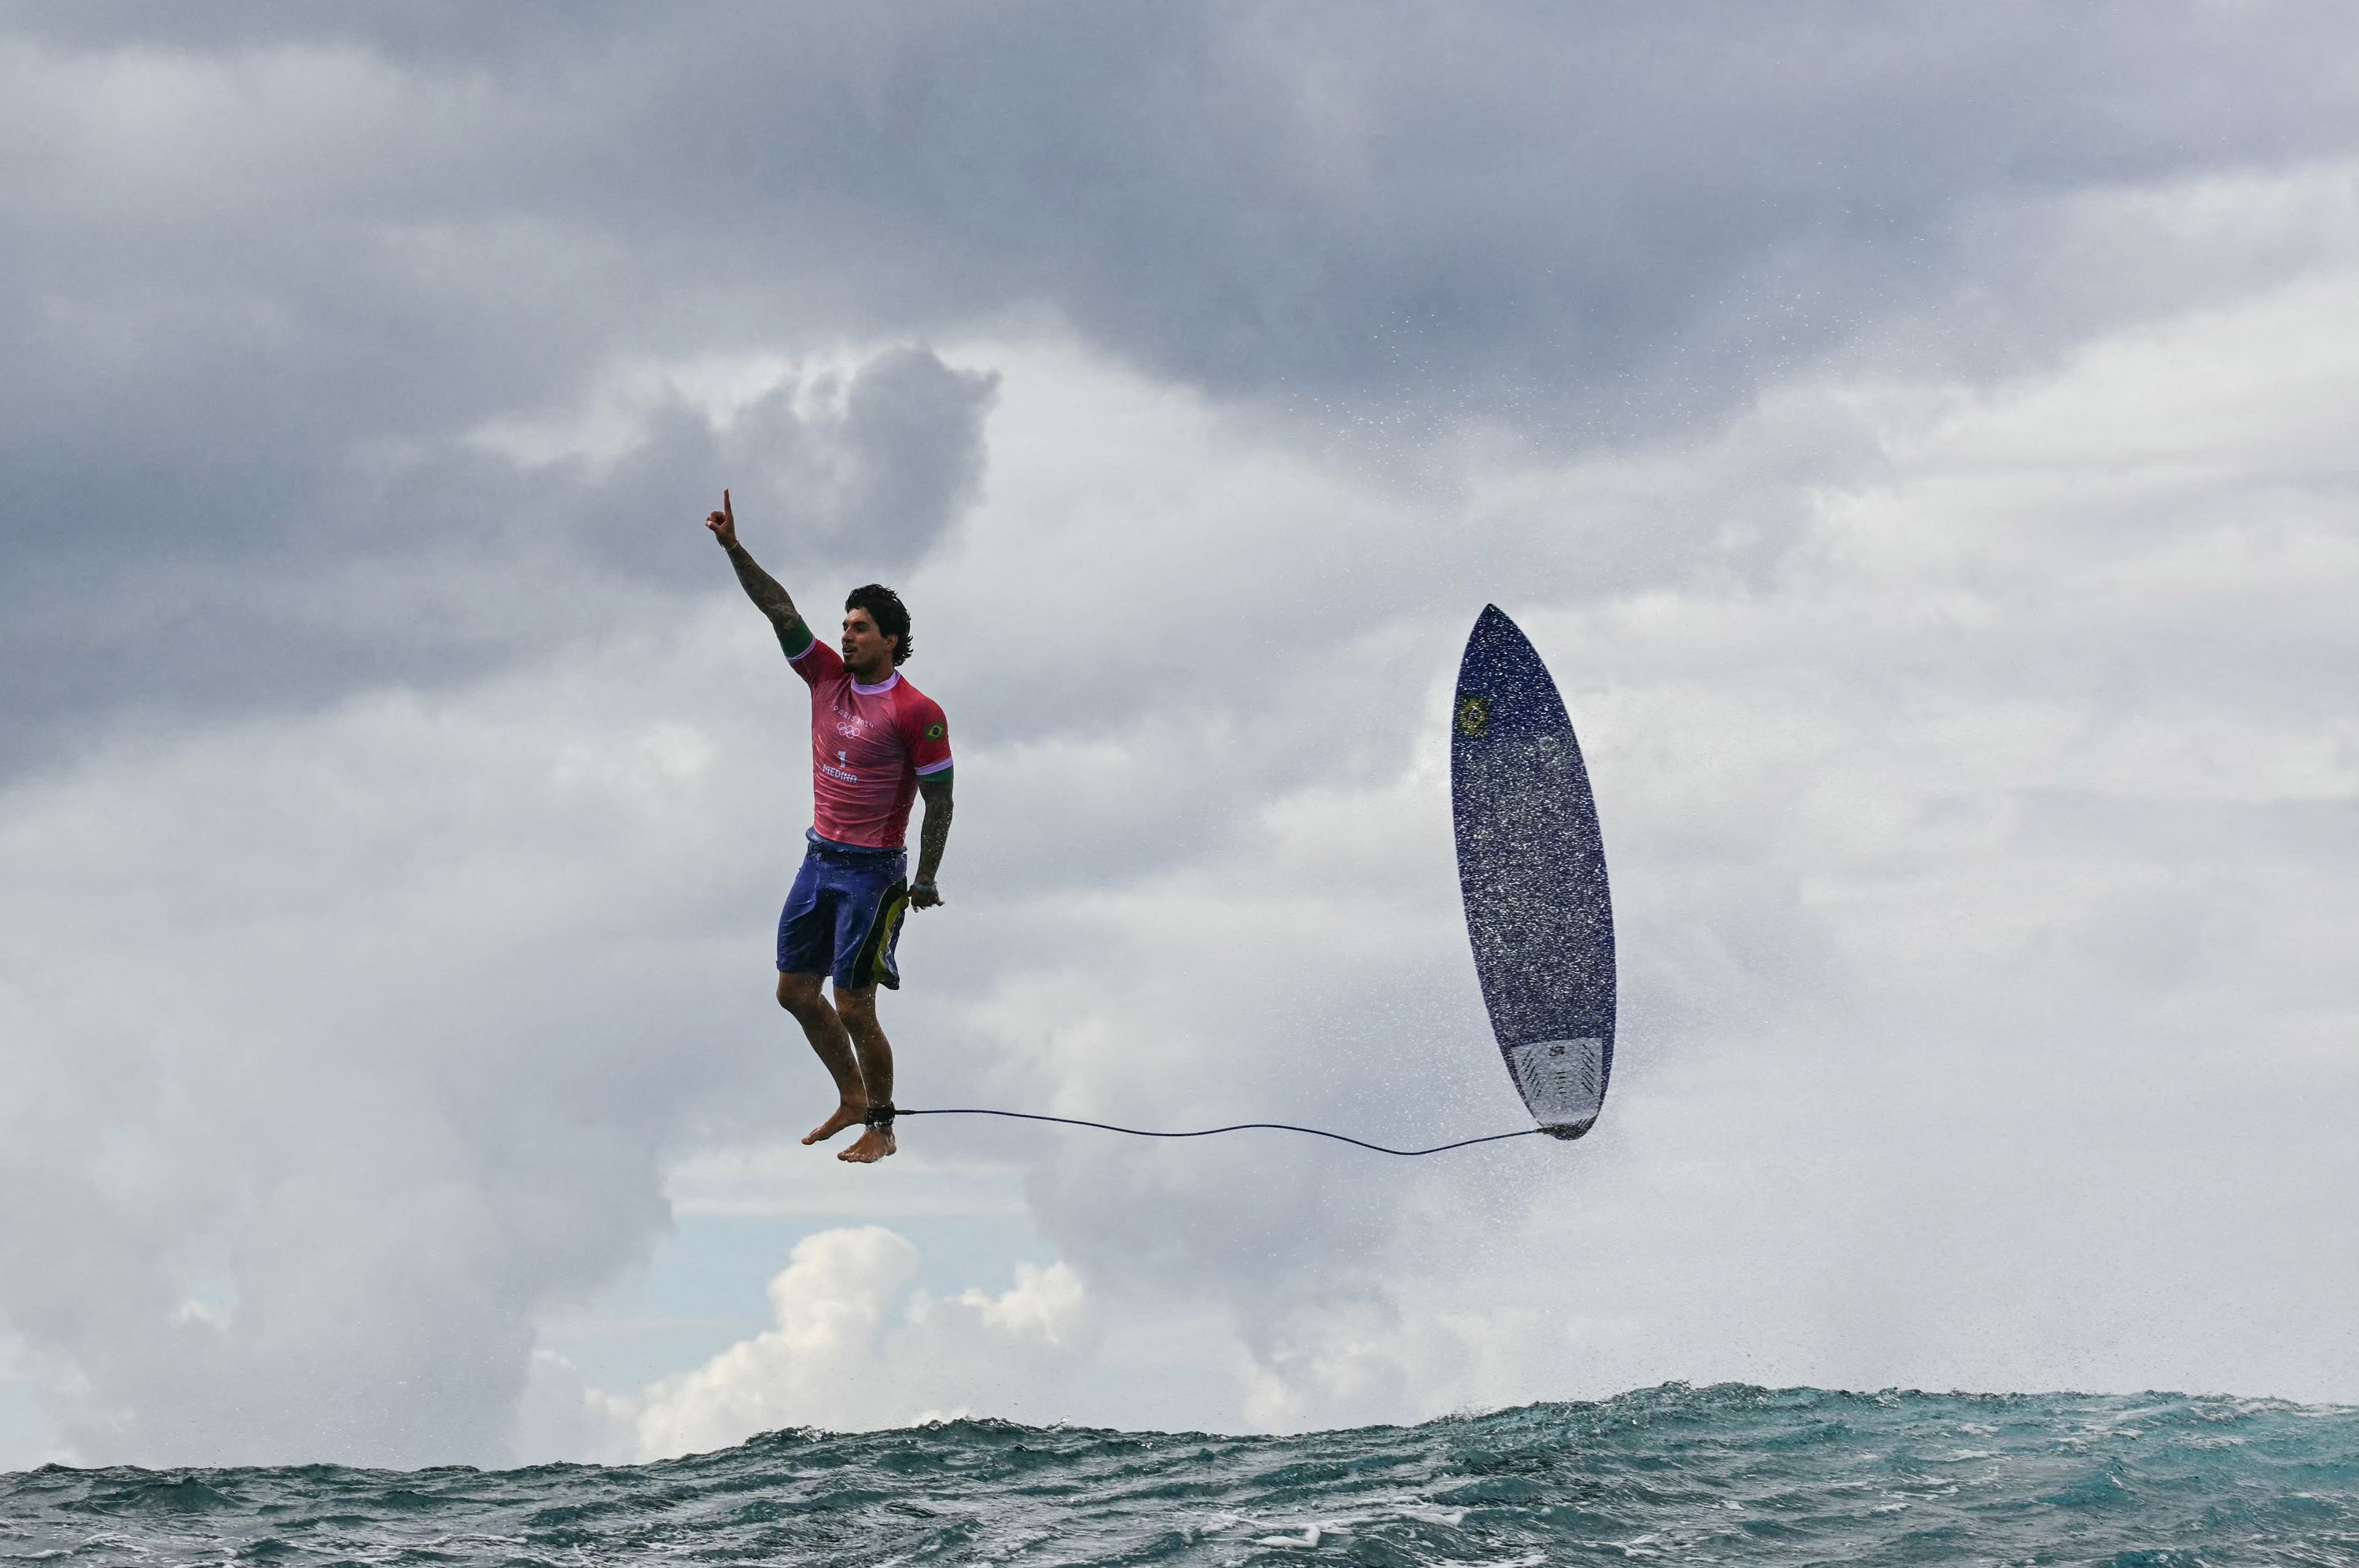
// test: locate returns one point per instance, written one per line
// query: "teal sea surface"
(1671, 1474)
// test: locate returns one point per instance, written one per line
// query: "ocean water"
(1671, 1474)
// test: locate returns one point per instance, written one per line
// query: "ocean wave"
(1728, 1474)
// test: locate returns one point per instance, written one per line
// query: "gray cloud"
(252, 257)
(434, 566)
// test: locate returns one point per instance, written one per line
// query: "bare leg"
(799, 995)
(858, 1011)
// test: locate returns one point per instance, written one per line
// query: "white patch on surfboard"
(1562, 1080)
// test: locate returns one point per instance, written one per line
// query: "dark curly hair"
(884, 608)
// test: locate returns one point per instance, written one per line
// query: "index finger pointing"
(725, 510)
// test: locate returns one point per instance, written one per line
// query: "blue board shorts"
(844, 918)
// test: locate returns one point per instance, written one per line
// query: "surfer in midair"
(876, 744)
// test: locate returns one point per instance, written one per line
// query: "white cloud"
(853, 1349)
(390, 1017)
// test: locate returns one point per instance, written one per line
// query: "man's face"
(865, 648)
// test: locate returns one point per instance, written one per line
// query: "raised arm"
(934, 835)
(760, 586)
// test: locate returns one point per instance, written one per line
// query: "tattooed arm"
(760, 586)
(934, 835)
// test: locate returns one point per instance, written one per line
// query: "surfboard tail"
(1563, 1082)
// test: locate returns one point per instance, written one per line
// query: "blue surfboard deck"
(1531, 867)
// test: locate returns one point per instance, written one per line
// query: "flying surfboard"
(1531, 867)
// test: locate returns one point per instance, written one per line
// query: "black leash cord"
(1209, 1132)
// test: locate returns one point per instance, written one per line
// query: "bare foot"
(846, 1115)
(874, 1145)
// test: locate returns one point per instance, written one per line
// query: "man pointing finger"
(877, 743)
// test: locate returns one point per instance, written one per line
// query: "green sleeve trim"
(796, 640)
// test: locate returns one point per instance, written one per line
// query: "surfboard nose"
(1492, 629)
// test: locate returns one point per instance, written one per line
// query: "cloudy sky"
(1918, 440)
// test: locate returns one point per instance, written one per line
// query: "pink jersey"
(870, 744)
